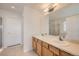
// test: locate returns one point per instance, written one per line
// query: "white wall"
(31, 25)
(7, 15)
(44, 24)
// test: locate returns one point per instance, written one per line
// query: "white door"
(12, 31)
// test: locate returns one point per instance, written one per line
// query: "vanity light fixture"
(50, 7)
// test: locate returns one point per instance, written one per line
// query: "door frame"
(2, 32)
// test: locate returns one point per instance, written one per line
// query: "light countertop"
(72, 48)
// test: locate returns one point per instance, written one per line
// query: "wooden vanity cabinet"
(34, 43)
(44, 49)
(39, 47)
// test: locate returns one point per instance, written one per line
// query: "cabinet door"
(39, 48)
(54, 50)
(34, 44)
(45, 45)
(46, 52)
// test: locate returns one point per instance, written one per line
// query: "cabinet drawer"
(63, 53)
(45, 45)
(54, 50)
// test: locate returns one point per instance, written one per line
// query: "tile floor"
(16, 51)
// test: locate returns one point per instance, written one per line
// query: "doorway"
(12, 31)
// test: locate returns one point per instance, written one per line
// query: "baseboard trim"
(14, 45)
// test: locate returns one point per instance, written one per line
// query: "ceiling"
(7, 6)
(20, 6)
(38, 5)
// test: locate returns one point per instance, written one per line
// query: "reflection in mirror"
(57, 26)
(54, 26)
(63, 28)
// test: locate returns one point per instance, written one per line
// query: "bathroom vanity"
(52, 46)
